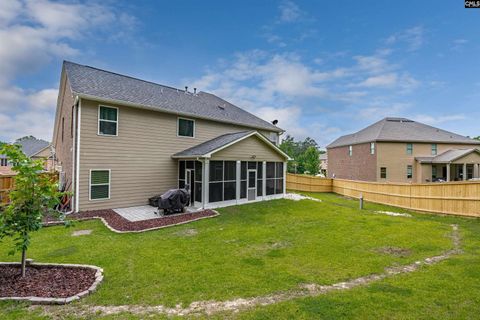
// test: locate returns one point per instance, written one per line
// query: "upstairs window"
(409, 172)
(383, 173)
(409, 148)
(99, 184)
(107, 121)
(434, 149)
(3, 162)
(372, 148)
(186, 128)
(350, 150)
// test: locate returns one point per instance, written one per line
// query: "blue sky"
(322, 68)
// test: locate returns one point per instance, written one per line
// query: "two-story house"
(403, 150)
(120, 140)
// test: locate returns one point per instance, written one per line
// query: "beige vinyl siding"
(393, 156)
(63, 149)
(140, 156)
(246, 149)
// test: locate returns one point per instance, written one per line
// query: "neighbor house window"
(383, 173)
(409, 172)
(434, 172)
(3, 162)
(434, 149)
(350, 150)
(99, 184)
(186, 127)
(107, 121)
(372, 148)
(409, 148)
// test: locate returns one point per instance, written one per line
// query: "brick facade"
(362, 165)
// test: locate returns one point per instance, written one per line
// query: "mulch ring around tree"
(48, 283)
(117, 223)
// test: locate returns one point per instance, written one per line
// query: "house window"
(434, 172)
(434, 149)
(273, 137)
(383, 173)
(99, 184)
(350, 150)
(409, 148)
(107, 121)
(409, 172)
(372, 148)
(186, 128)
(3, 162)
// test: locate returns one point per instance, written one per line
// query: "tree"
(476, 138)
(311, 160)
(33, 196)
(296, 151)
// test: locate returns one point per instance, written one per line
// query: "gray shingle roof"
(211, 145)
(101, 84)
(448, 156)
(401, 129)
(31, 146)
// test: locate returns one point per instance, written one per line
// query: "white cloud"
(412, 37)
(384, 80)
(382, 109)
(32, 33)
(289, 12)
(435, 120)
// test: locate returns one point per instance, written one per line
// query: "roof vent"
(194, 90)
(274, 122)
(221, 107)
(186, 89)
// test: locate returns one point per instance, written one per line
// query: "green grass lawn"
(262, 248)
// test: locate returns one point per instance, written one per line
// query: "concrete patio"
(141, 213)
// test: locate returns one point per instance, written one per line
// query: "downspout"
(77, 153)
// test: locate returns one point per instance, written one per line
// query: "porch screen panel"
(181, 174)
(270, 183)
(259, 179)
(198, 181)
(243, 180)
(230, 180)
(279, 177)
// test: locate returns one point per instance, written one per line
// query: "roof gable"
(93, 83)
(401, 130)
(31, 146)
(207, 148)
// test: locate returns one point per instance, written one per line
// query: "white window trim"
(372, 147)
(436, 149)
(117, 122)
(410, 168)
(350, 151)
(409, 151)
(100, 184)
(178, 127)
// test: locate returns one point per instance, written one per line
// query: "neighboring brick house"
(323, 164)
(403, 150)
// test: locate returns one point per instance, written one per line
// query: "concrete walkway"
(141, 213)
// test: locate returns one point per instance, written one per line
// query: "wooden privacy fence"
(458, 198)
(6, 184)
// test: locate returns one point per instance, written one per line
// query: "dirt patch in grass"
(187, 233)
(44, 281)
(394, 251)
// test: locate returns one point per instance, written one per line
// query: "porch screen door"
(252, 185)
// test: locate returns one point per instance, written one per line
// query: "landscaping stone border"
(113, 229)
(43, 300)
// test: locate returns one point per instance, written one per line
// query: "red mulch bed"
(44, 281)
(119, 223)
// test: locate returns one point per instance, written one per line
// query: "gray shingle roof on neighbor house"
(211, 145)
(31, 146)
(401, 130)
(448, 156)
(101, 84)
